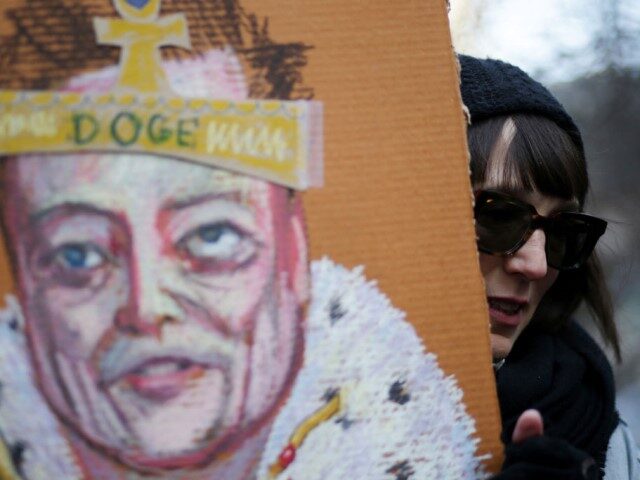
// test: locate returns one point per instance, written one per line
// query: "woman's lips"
(163, 379)
(506, 311)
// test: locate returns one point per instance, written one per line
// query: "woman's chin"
(500, 346)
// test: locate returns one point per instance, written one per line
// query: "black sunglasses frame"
(595, 227)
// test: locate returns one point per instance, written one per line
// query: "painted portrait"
(166, 319)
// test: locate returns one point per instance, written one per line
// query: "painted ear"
(300, 258)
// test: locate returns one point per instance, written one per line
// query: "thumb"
(529, 425)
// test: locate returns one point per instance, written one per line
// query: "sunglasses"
(504, 224)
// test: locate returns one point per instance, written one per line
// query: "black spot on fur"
(330, 394)
(14, 324)
(402, 470)
(345, 422)
(336, 312)
(398, 393)
(17, 455)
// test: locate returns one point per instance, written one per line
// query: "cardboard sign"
(175, 305)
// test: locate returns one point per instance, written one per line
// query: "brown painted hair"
(50, 41)
(543, 157)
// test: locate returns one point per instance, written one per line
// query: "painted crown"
(278, 141)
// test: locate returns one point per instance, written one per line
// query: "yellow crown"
(279, 141)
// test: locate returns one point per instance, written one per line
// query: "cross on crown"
(140, 33)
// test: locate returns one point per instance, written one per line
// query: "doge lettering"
(85, 128)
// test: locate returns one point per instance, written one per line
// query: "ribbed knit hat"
(492, 87)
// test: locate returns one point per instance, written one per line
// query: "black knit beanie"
(492, 87)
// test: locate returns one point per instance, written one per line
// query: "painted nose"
(530, 260)
(150, 305)
(135, 319)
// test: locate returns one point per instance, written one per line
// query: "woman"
(530, 181)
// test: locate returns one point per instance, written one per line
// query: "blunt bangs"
(539, 156)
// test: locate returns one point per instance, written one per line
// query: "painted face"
(163, 299)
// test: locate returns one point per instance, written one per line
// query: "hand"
(529, 425)
(533, 456)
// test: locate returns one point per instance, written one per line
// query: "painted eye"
(219, 242)
(79, 256)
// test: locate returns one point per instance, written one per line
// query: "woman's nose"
(530, 260)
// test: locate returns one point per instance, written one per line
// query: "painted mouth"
(163, 378)
(506, 311)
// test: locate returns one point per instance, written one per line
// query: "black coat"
(567, 377)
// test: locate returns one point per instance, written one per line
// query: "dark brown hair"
(541, 156)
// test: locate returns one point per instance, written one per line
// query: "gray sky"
(534, 34)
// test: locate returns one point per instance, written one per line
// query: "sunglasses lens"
(504, 223)
(570, 239)
(500, 223)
